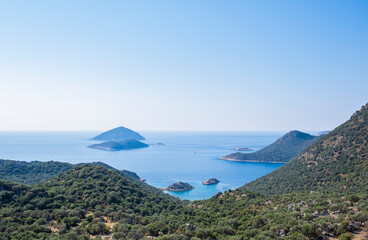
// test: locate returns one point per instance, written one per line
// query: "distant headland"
(323, 133)
(281, 151)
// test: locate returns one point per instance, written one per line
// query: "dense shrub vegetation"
(36, 171)
(31, 172)
(91, 200)
(79, 201)
(337, 161)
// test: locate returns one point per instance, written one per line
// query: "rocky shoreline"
(253, 161)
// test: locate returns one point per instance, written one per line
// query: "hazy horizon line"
(163, 130)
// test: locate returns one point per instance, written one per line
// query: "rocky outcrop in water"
(210, 181)
(179, 187)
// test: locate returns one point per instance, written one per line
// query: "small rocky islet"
(210, 181)
(243, 149)
(179, 187)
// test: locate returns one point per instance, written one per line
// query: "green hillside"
(78, 203)
(35, 172)
(282, 150)
(31, 172)
(92, 201)
(336, 162)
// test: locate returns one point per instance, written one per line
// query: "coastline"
(253, 161)
(69, 146)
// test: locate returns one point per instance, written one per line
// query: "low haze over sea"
(186, 156)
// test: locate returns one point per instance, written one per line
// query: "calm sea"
(186, 156)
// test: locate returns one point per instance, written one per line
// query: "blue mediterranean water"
(186, 156)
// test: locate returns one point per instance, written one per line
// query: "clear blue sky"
(182, 65)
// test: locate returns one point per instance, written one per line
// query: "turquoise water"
(187, 156)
